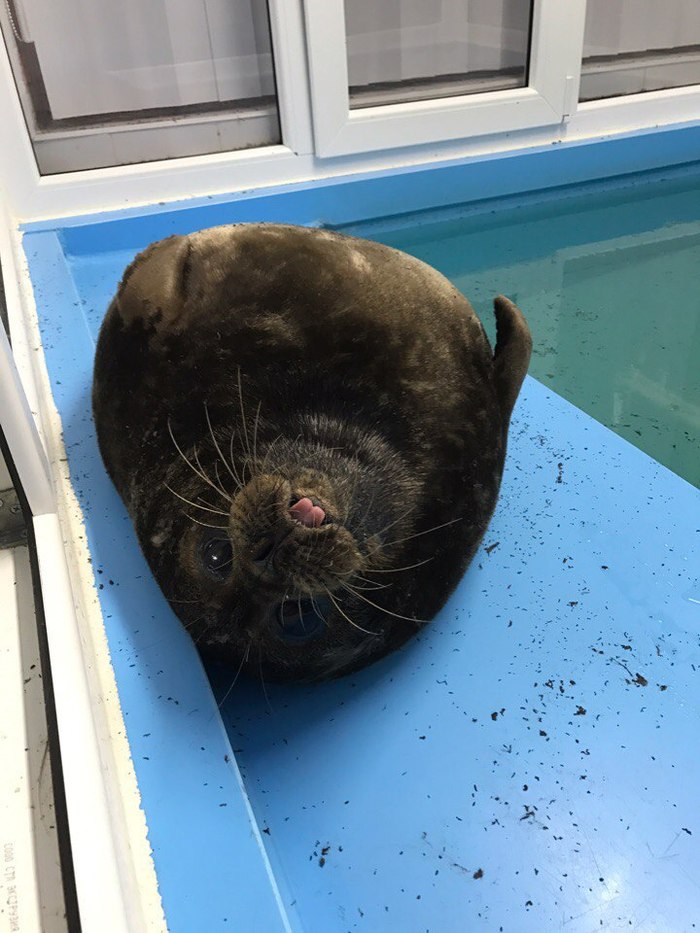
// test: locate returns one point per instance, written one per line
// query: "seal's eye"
(217, 556)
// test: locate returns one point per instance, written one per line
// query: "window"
(633, 46)
(108, 83)
(104, 84)
(407, 72)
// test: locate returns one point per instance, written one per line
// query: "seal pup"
(308, 431)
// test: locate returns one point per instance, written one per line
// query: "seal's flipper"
(154, 286)
(512, 354)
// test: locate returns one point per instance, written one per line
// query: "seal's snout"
(307, 513)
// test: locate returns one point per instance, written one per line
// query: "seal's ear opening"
(155, 284)
(512, 354)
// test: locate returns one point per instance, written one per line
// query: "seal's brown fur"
(244, 367)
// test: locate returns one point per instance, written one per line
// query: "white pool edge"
(19, 885)
(114, 869)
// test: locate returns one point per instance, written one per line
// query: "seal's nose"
(307, 513)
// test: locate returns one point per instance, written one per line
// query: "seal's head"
(283, 559)
(308, 431)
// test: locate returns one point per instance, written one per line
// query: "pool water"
(610, 284)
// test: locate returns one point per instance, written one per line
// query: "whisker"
(204, 524)
(373, 582)
(237, 478)
(401, 569)
(216, 474)
(243, 418)
(208, 479)
(373, 586)
(317, 610)
(159, 641)
(263, 465)
(301, 617)
(194, 504)
(388, 611)
(401, 517)
(201, 475)
(255, 433)
(248, 464)
(216, 444)
(236, 676)
(262, 680)
(347, 617)
(426, 532)
(368, 510)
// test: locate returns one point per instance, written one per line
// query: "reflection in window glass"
(407, 50)
(108, 83)
(632, 46)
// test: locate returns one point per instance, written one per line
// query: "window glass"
(632, 46)
(408, 50)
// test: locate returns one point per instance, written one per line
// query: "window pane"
(631, 46)
(406, 50)
(107, 83)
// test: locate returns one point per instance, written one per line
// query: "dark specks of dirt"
(580, 711)
(560, 472)
(663, 686)
(492, 547)
(479, 873)
(323, 853)
(640, 681)
(685, 830)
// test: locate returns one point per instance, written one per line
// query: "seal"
(308, 431)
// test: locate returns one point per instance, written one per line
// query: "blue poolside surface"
(529, 762)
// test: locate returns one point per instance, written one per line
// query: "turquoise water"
(610, 283)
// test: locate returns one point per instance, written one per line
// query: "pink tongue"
(307, 513)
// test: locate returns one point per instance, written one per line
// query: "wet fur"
(243, 366)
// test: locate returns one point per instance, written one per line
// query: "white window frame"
(30, 196)
(556, 44)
